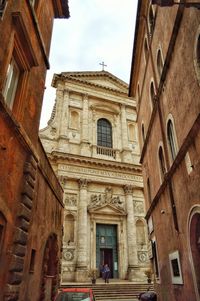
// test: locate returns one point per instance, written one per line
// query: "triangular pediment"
(107, 209)
(101, 79)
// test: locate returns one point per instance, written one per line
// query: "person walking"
(106, 273)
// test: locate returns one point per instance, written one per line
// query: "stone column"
(85, 146)
(82, 247)
(126, 152)
(63, 120)
(131, 235)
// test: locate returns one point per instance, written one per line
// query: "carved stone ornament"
(53, 131)
(107, 198)
(68, 255)
(70, 200)
(139, 208)
(83, 183)
(128, 189)
(62, 179)
(142, 256)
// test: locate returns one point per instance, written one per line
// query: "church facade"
(91, 141)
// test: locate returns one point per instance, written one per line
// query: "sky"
(97, 31)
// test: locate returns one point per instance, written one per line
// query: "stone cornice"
(83, 79)
(58, 157)
(90, 74)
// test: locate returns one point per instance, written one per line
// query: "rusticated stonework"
(22, 226)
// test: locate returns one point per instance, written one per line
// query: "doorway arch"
(194, 246)
(50, 269)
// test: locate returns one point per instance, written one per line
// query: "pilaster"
(63, 96)
(81, 267)
(85, 145)
(126, 152)
(131, 235)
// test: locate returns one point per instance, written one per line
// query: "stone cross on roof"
(103, 65)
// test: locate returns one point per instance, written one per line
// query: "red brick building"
(30, 195)
(165, 79)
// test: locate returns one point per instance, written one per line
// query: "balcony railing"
(106, 151)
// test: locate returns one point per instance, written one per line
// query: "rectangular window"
(2, 7)
(2, 231)
(175, 268)
(11, 82)
(32, 262)
(155, 258)
(1, 235)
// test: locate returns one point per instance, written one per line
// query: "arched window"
(69, 228)
(143, 133)
(159, 63)
(161, 162)
(104, 133)
(195, 247)
(198, 51)
(149, 190)
(146, 50)
(171, 139)
(138, 92)
(131, 131)
(197, 55)
(152, 93)
(151, 20)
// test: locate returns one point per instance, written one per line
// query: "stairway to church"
(116, 291)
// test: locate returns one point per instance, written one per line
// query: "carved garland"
(107, 198)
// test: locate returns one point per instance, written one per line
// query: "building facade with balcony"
(165, 81)
(91, 141)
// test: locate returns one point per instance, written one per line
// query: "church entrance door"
(106, 248)
(106, 256)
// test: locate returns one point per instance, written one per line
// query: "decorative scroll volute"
(128, 189)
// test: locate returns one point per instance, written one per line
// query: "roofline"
(75, 76)
(134, 45)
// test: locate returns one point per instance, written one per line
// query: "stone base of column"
(81, 274)
(85, 148)
(135, 274)
(126, 155)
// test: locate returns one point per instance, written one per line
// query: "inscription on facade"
(112, 174)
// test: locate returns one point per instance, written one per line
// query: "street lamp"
(164, 3)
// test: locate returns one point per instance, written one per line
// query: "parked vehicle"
(75, 294)
(147, 296)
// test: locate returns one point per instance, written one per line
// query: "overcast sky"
(98, 30)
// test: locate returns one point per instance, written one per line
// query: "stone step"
(113, 291)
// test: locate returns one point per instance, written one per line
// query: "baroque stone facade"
(91, 141)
